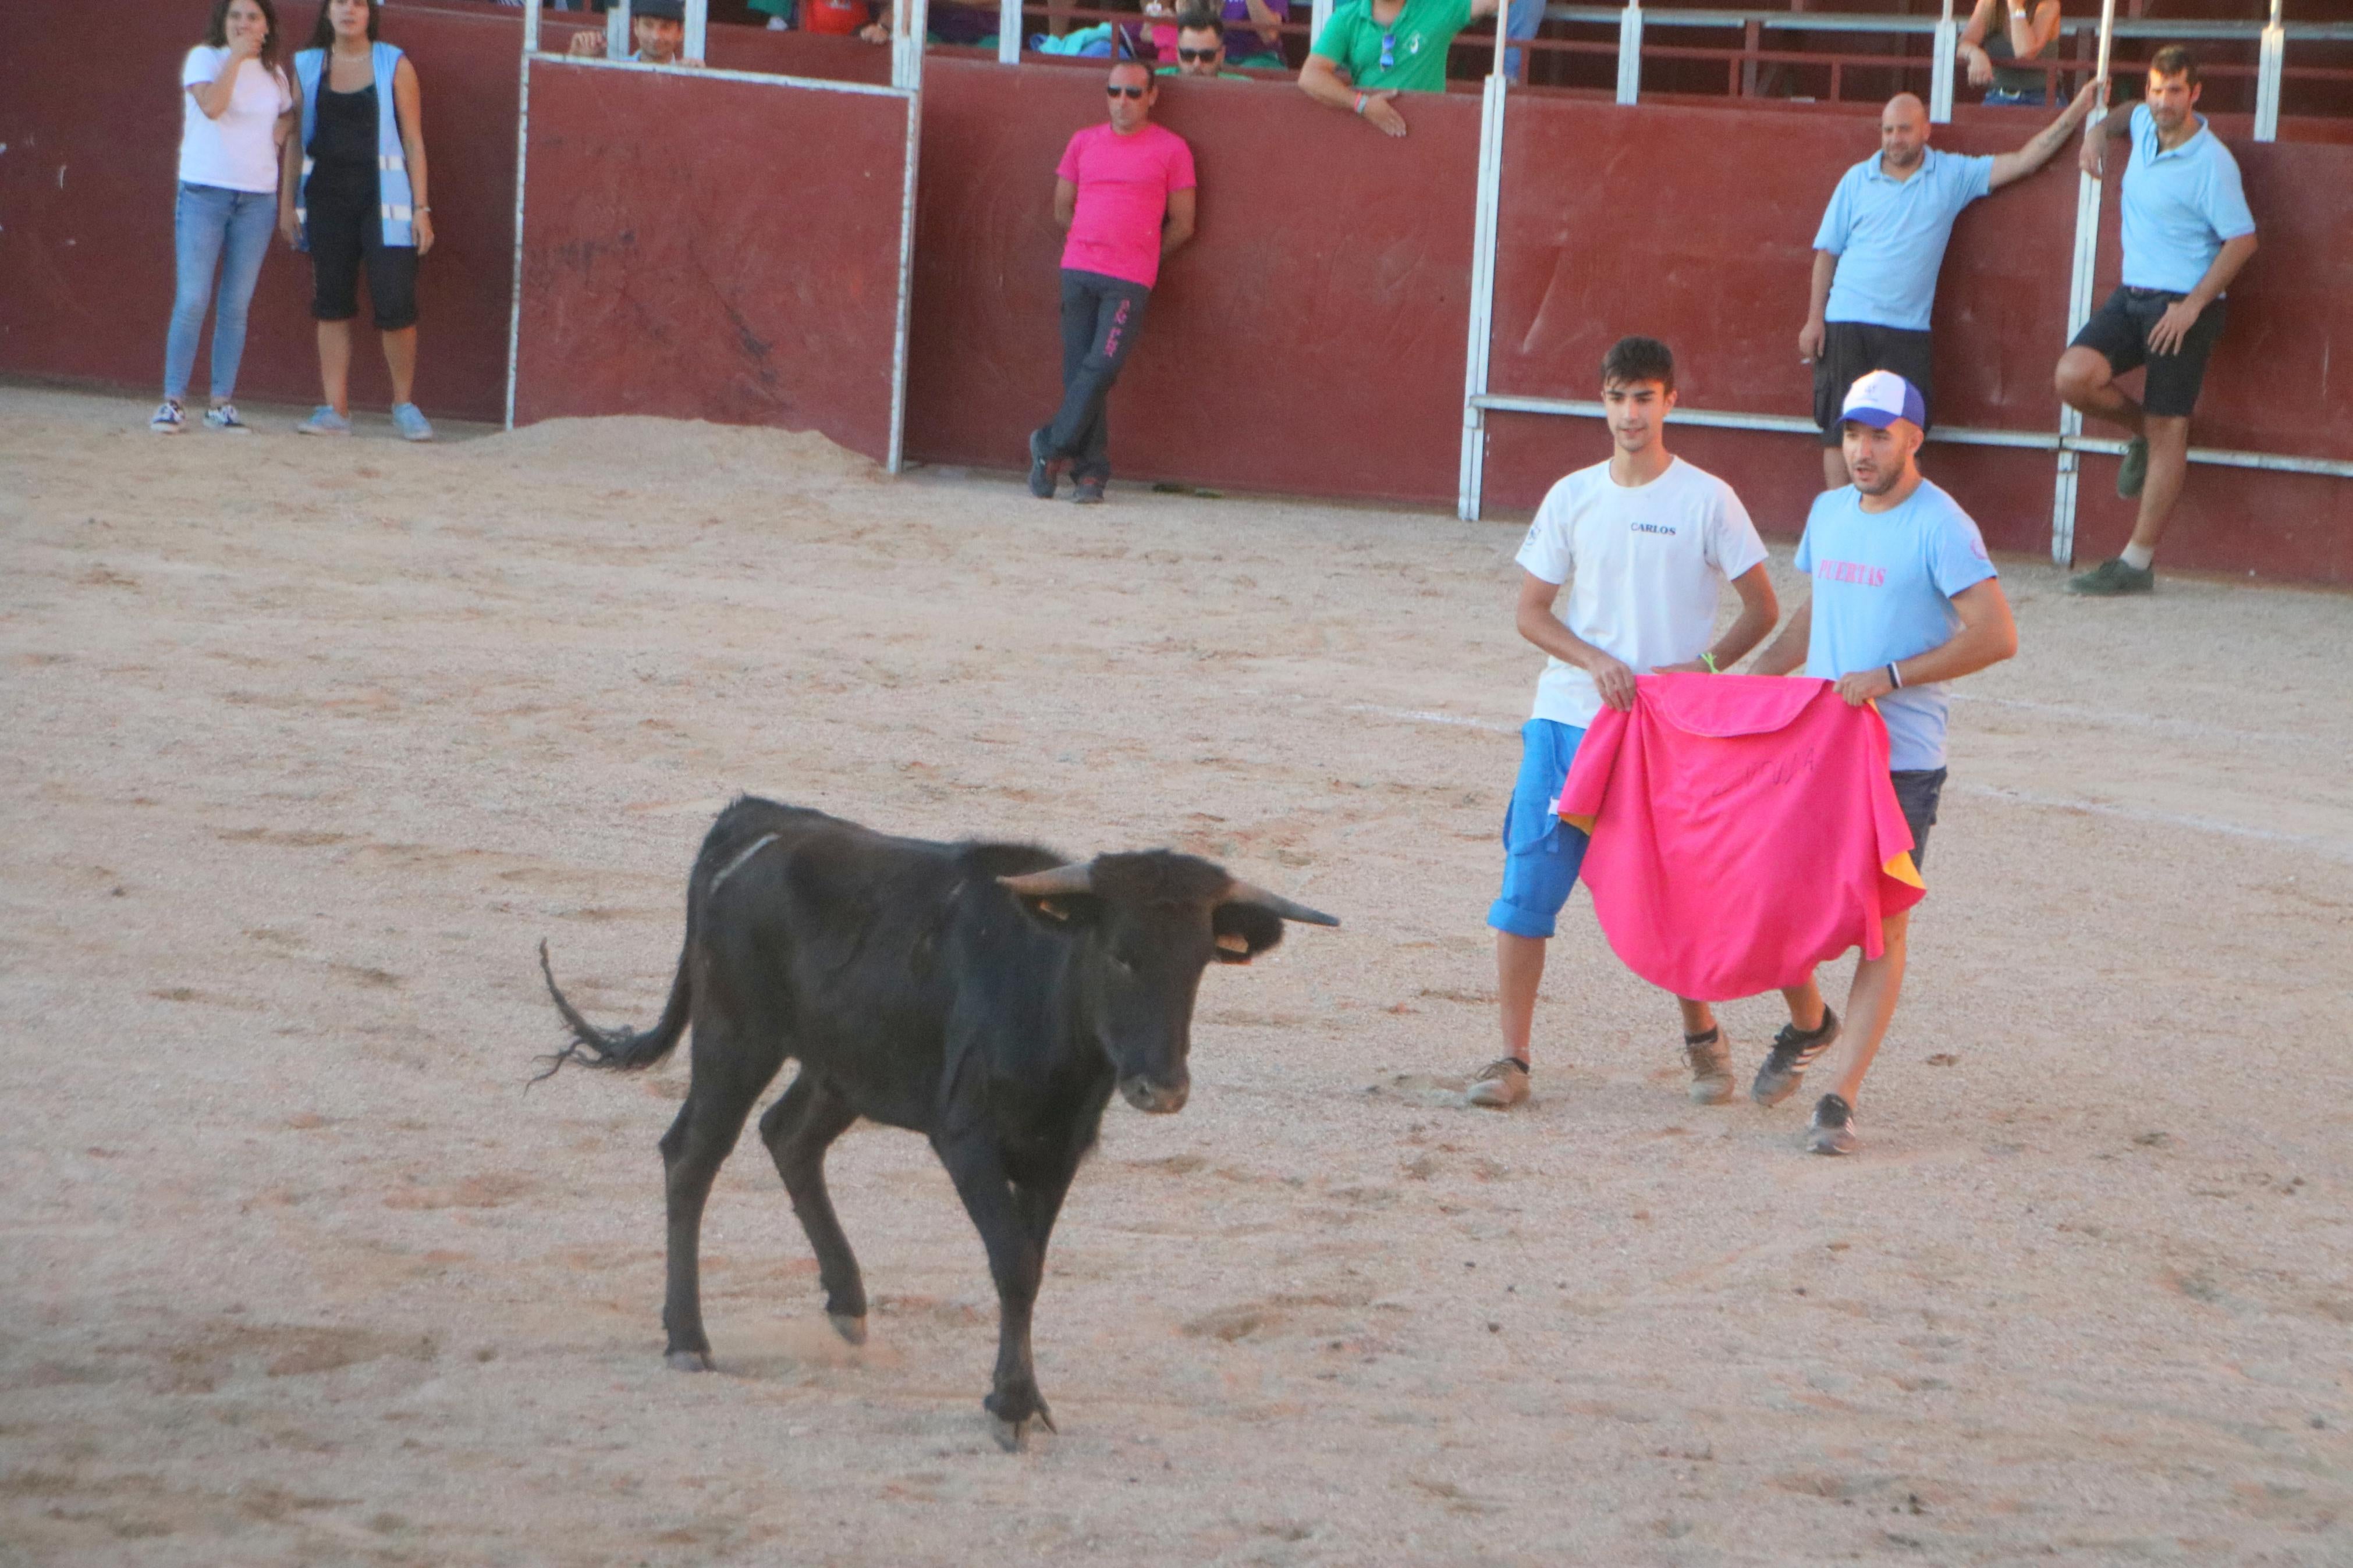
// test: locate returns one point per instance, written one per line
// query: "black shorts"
(1852, 350)
(1918, 790)
(346, 233)
(2119, 329)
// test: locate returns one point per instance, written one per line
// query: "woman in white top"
(239, 109)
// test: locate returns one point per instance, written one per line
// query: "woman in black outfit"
(352, 193)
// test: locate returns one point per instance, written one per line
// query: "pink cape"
(1744, 830)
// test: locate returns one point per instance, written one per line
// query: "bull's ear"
(1063, 911)
(1242, 931)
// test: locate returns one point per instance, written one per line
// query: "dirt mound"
(677, 452)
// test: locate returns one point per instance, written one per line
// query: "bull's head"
(1149, 924)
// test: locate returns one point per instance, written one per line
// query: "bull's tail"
(627, 1050)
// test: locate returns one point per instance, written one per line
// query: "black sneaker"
(1089, 492)
(1794, 1050)
(2111, 578)
(1042, 467)
(1833, 1130)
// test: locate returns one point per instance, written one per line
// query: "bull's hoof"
(689, 1361)
(1013, 1435)
(848, 1327)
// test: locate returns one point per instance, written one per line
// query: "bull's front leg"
(1017, 1257)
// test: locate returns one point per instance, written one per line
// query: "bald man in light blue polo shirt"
(1881, 244)
(2187, 232)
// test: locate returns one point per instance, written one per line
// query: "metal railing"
(2068, 443)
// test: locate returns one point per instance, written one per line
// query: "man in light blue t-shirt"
(1880, 246)
(1905, 600)
(2187, 232)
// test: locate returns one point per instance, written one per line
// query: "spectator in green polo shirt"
(1371, 50)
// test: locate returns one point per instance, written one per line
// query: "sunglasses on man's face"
(1191, 56)
(1116, 90)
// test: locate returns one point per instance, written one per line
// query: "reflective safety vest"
(393, 194)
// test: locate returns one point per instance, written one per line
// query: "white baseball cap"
(1883, 397)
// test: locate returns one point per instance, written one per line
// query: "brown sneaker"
(1709, 1056)
(1501, 1084)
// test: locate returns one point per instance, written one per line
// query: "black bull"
(986, 995)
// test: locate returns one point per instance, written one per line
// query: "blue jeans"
(228, 232)
(1520, 20)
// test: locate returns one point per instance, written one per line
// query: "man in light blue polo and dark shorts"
(2187, 232)
(1881, 245)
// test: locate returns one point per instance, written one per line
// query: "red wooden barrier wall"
(1311, 340)
(674, 265)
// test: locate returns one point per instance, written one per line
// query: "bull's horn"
(1243, 892)
(1062, 880)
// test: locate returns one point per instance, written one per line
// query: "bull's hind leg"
(797, 1130)
(728, 1077)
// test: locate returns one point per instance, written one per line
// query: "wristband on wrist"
(1360, 101)
(1896, 676)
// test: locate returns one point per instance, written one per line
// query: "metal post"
(698, 30)
(522, 156)
(1008, 32)
(1629, 52)
(619, 43)
(2269, 60)
(908, 22)
(2079, 310)
(1940, 84)
(1486, 208)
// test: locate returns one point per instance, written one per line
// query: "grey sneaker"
(2111, 578)
(1089, 492)
(1710, 1063)
(223, 417)
(1833, 1130)
(2133, 472)
(1042, 467)
(1794, 1050)
(324, 421)
(1501, 1084)
(409, 420)
(168, 419)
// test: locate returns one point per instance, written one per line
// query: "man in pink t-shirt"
(1124, 191)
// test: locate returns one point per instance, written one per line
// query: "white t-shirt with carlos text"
(1646, 565)
(238, 151)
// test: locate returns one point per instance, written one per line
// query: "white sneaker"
(223, 418)
(168, 419)
(1501, 1084)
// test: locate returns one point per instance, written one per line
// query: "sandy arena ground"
(310, 743)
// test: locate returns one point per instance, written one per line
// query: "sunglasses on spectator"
(1389, 51)
(1115, 91)
(1189, 55)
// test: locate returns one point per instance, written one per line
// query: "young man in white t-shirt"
(1649, 541)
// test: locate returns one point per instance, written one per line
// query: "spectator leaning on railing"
(1880, 246)
(2001, 39)
(2187, 232)
(1372, 50)
(1125, 191)
(659, 29)
(1200, 47)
